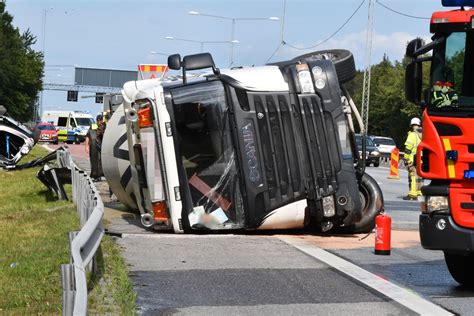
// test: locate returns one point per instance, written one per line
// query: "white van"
(72, 125)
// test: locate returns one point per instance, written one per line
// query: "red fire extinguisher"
(383, 230)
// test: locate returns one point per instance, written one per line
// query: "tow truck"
(446, 152)
(269, 147)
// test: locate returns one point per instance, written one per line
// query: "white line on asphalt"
(176, 236)
(47, 148)
(403, 296)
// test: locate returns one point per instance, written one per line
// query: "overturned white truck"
(268, 147)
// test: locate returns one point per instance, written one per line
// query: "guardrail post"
(71, 236)
(69, 288)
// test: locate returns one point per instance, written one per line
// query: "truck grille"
(281, 143)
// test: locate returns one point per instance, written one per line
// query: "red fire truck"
(446, 153)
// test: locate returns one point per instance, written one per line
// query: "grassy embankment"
(34, 243)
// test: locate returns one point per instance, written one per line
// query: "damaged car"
(16, 140)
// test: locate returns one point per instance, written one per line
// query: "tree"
(21, 69)
(389, 113)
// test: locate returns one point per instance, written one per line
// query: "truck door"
(207, 159)
(62, 128)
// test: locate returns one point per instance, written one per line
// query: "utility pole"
(368, 54)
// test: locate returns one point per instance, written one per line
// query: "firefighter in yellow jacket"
(411, 144)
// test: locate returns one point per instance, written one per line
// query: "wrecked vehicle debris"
(54, 179)
(16, 140)
(269, 147)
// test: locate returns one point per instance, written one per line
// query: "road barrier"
(84, 243)
(394, 164)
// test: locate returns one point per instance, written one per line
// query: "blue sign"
(468, 174)
(457, 3)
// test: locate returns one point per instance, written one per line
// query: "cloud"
(393, 45)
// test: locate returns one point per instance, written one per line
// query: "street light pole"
(39, 110)
(232, 44)
(201, 42)
(232, 31)
(43, 49)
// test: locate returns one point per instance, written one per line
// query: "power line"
(274, 52)
(330, 36)
(401, 13)
(282, 33)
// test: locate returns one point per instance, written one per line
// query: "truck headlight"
(436, 204)
(329, 209)
(304, 78)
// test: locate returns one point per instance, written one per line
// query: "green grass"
(34, 244)
(112, 292)
(33, 241)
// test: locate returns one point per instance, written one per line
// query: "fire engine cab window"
(452, 85)
(207, 155)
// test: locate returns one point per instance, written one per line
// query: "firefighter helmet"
(415, 121)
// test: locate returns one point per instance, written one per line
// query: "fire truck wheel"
(460, 267)
(342, 59)
(372, 202)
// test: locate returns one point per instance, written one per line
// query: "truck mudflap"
(440, 232)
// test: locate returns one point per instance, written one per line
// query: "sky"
(113, 34)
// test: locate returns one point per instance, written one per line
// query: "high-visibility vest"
(412, 142)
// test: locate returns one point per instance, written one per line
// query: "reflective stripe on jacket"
(412, 142)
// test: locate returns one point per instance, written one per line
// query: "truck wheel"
(342, 59)
(460, 267)
(372, 205)
(377, 163)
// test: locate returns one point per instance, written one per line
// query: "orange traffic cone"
(394, 164)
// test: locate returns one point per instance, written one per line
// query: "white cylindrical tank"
(115, 159)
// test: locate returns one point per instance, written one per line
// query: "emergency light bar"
(458, 3)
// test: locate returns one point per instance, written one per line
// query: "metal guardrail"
(84, 243)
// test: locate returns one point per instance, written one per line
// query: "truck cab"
(446, 153)
(268, 147)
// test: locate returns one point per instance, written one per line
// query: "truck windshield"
(452, 83)
(208, 156)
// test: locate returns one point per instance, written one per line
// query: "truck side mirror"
(412, 47)
(199, 61)
(174, 61)
(413, 82)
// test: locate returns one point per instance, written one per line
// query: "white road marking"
(47, 148)
(403, 296)
(176, 236)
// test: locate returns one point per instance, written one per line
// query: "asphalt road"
(404, 213)
(225, 274)
(261, 274)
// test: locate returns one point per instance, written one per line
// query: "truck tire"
(460, 267)
(342, 59)
(372, 205)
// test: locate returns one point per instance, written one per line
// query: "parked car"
(372, 153)
(385, 145)
(45, 132)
